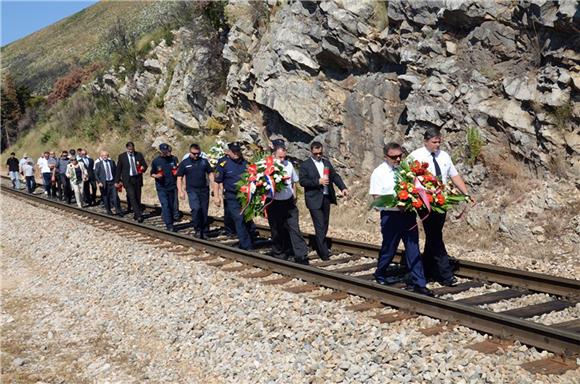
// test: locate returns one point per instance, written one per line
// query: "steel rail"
(527, 332)
(532, 281)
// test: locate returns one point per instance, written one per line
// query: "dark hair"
(129, 144)
(64, 152)
(431, 132)
(12, 154)
(194, 146)
(391, 145)
(315, 144)
(72, 151)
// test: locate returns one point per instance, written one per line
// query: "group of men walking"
(397, 224)
(195, 178)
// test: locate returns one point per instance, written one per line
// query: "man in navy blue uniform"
(196, 171)
(164, 170)
(227, 173)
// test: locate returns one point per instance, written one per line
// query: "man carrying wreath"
(396, 224)
(283, 213)
(435, 255)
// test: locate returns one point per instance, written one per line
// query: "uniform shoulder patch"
(223, 163)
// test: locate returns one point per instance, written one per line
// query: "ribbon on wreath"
(270, 169)
(424, 197)
(253, 172)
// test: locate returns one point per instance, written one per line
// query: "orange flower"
(425, 165)
(430, 197)
(244, 188)
(440, 199)
(403, 195)
(417, 203)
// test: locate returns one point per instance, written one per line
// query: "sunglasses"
(395, 157)
(195, 153)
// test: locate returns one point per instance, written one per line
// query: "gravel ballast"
(81, 304)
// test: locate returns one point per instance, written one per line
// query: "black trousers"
(320, 218)
(285, 229)
(110, 197)
(435, 257)
(90, 191)
(199, 205)
(133, 188)
(64, 188)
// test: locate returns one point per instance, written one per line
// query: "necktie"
(436, 164)
(108, 171)
(132, 163)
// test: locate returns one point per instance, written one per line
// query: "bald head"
(104, 155)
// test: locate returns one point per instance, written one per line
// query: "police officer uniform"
(166, 185)
(228, 172)
(196, 171)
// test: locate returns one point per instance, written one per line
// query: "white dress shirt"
(320, 167)
(43, 165)
(443, 159)
(383, 182)
(287, 192)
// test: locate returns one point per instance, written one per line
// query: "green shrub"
(222, 107)
(46, 136)
(474, 144)
(380, 18)
(215, 125)
(563, 116)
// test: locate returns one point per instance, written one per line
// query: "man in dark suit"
(130, 168)
(105, 177)
(318, 177)
(89, 185)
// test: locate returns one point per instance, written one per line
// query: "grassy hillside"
(40, 58)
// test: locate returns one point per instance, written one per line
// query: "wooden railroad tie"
(550, 366)
(491, 346)
(394, 317)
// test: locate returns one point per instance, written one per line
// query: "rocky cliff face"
(356, 74)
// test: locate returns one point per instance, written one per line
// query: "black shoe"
(110, 213)
(449, 283)
(140, 219)
(170, 228)
(120, 214)
(302, 261)
(324, 258)
(423, 291)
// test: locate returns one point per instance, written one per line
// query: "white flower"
(252, 188)
(268, 187)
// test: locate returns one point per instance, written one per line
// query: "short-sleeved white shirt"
(287, 192)
(443, 159)
(43, 165)
(383, 180)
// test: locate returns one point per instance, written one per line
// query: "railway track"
(469, 303)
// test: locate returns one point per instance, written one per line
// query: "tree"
(11, 111)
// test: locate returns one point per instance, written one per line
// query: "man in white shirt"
(45, 171)
(283, 214)
(435, 255)
(396, 224)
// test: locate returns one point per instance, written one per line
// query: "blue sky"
(21, 18)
